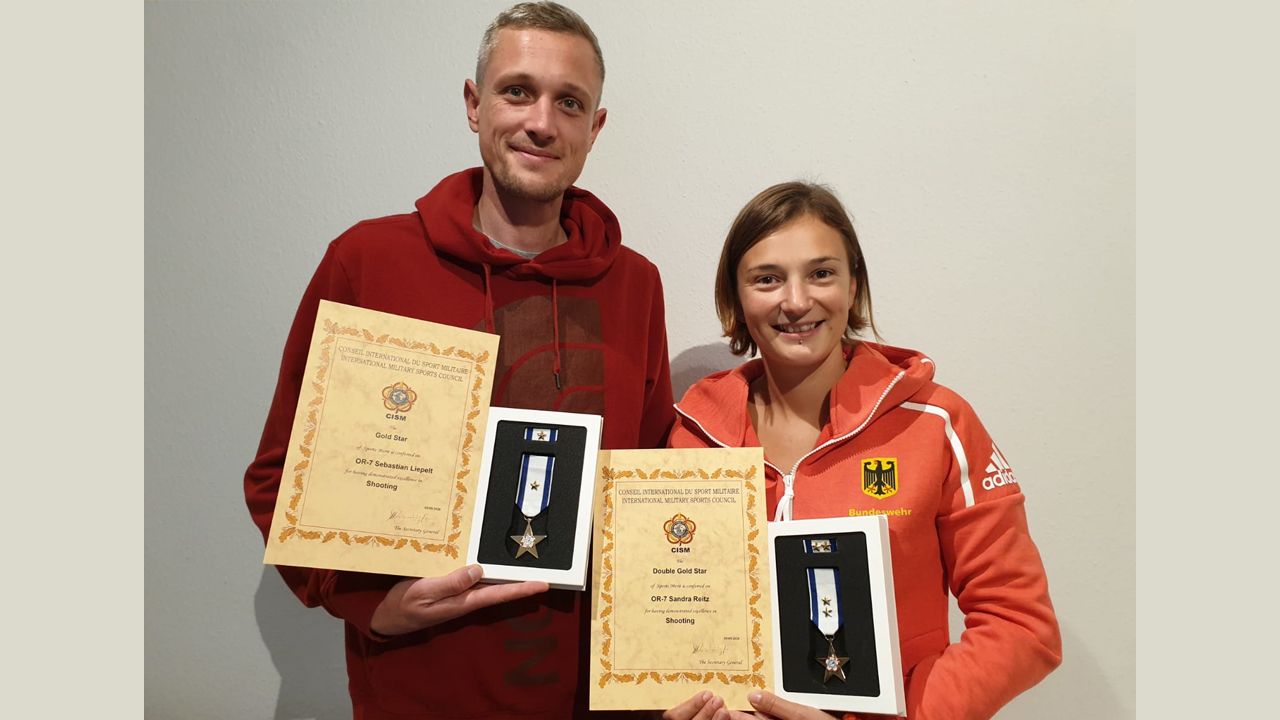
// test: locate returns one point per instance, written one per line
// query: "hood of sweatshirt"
(878, 377)
(593, 241)
(594, 237)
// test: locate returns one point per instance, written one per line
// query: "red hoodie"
(582, 330)
(900, 445)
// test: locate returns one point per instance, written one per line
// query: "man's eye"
(572, 104)
(514, 91)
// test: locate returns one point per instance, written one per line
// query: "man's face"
(535, 111)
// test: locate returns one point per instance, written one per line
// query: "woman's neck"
(784, 395)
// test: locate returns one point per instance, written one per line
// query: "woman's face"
(795, 290)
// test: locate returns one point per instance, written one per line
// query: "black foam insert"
(558, 522)
(801, 642)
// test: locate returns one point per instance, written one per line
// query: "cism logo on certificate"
(679, 530)
(398, 398)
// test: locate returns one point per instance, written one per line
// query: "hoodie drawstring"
(555, 331)
(488, 300)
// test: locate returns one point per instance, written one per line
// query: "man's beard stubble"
(511, 184)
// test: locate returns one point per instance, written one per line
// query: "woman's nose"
(796, 299)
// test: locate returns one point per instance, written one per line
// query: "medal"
(824, 611)
(533, 494)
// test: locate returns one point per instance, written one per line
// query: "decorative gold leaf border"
(755, 677)
(450, 546)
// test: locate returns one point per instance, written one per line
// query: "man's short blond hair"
(541, 16)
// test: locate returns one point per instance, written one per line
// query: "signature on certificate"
(712, 649)
(397, 515)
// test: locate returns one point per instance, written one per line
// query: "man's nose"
(540, 120)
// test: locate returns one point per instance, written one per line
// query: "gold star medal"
(833, 664)
(528, 542)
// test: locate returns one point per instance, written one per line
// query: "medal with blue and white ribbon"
(824, 611)
(532, 497)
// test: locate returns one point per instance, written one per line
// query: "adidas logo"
(998, 472)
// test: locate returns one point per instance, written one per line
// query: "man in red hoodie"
(510, 248)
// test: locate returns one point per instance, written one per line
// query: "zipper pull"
(788, 493)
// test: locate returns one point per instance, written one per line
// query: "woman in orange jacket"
(851, 427)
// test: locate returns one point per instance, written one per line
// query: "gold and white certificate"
(681, 580)
(381, 465)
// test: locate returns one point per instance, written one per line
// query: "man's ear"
(471, 96)
(597, 124)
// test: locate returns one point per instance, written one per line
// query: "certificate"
(681, 579)
(381, 465)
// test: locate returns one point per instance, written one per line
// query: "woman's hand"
(701, 706)
(771, 707)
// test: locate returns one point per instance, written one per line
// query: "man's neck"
(526, 225)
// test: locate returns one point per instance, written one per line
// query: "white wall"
(986, 151)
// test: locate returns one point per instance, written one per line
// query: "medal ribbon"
(534, 493)
(544, 434)
(824, 601)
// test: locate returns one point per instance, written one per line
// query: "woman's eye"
(823, 274)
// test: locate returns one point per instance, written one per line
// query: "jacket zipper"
(788, 479)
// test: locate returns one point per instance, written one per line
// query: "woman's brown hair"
(767, 212)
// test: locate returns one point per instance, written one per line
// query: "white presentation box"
(532, 519)
(828, 570)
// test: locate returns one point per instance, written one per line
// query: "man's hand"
(701, 706)
(772, 707)
(416, 604)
